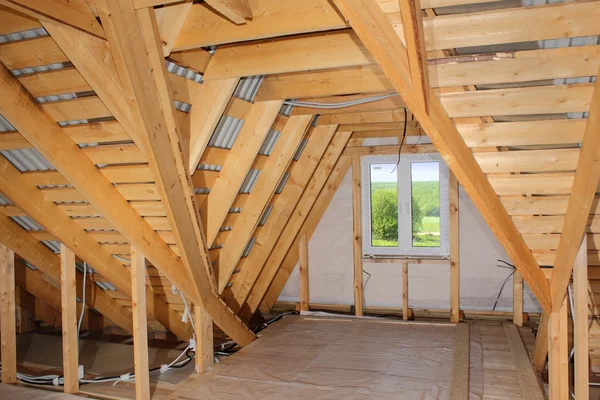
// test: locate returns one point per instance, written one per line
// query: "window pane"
(384, 205)
(425, 204)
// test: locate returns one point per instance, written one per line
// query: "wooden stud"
(204, 340)
(580, 323)
(558, 354)
(304, 282)
(68, 295)
(357, 234)
(140, 324)
(8, 323)
(517, 299)
(454, 249)
(459, 384)
(405, 291)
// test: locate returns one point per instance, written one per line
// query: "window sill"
(407, 259)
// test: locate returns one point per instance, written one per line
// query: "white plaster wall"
(331, 266)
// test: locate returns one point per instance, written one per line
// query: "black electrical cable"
(401, 141)
(508, 265)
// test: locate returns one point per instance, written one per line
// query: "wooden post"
(304, 283)
(70, 341)
(8, 323)
(204, 340)
(517, 299)
(558, 354)
(454, 250)
(405, 291)
(580, 323)
(140, 324)
(357, 229)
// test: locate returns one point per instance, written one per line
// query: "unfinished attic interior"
(284, 199)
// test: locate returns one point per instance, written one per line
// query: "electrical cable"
(83, 300)
(338, 105)
(365, 290)
(401, 141)
(503, 283)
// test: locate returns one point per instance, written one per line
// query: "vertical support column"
(204, 340)
(357, 230)
(558, 354)
(517, 298)
(580, 323)
(405, 291)
(8, 323)
(454, 250)
(140, 324)
(70, 342)
(304, 283)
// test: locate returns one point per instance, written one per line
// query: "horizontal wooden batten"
(77, 109)
(528, 160)
(532, 184)
(131, 192)
(546, 205)
(551, 224)
(390, 149)
(31, 53)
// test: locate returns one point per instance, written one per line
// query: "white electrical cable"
(338, 105)
(83, 300)
(187, 315)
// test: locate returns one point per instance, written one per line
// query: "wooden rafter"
(270, 176)
(37, 254)
(238, 11)
(375, 31)
(133, 37)
(32, 201)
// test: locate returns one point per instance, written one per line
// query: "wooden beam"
(558, 354)
(205, 358)
(282, 207)
(38, 309)
(454, 249)
(76, 14)
(238, 11)
(14, 105)
(414, 39)
(528, 380)
(517, 299)
(205, 115)
(540, 350)
(37, 254)
(357, 235)
(304, 282)
(170, 20)
(459, 384)
(70, 339)
(585, 183)
(580, 323)
(8, 323)
(405, 291)
(270, 176)
(245, 148)
(295, 223)
(379, 37)
(140, 325)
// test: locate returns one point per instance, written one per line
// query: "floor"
(338, 357)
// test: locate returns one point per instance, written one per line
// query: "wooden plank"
(528, 380)
(195, 59)
(76, 14)
(528, 160)
(140, 324)
(558, 354)
(454, 249)
(70, 339)
(282, 207)
(405, 291)
(236, 167)
(540, 350)
(204, 359)
(8, 323)
(238, 11)
(303, 267)
(296, 221)
(388, 149)
(580, 323)
(357, 235)
(517, 299)
(459, 384)
(585, 184)
(170, 20)
(204, 116)
(270, 176)
(11, 22)
(379, 37)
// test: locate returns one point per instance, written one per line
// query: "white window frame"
(405, 248)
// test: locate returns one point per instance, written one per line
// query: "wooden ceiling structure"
(162, 125)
